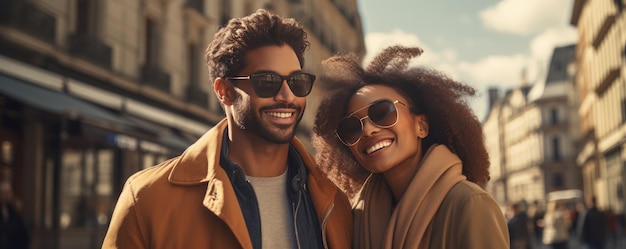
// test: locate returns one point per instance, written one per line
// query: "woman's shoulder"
(466, 189)
(465, 214)
(466, 193)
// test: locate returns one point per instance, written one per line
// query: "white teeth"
(280, 114)
(378, 146)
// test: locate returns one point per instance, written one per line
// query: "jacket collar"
(200, 163)
(380, 225)
(189, 169)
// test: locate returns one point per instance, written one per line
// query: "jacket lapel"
(220, 196)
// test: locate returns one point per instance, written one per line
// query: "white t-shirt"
(277, 227)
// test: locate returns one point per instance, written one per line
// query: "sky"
(482, 43)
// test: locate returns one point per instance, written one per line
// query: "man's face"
(275, 118)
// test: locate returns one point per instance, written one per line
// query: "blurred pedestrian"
(536, 214)
(573, 214)
(611, 225)
(556, 225)
(13, 231)
(519, 230)
(594, 227)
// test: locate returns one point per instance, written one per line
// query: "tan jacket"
(440, 210)
(469, 218)
(188, 202)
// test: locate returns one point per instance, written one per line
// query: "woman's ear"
(421, 126)
(223, 90)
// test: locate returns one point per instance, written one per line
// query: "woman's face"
(384, 149)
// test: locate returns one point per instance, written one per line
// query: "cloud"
(376, 42)
(503, 71)
(441, 60)
(481, 74)
(526, 17)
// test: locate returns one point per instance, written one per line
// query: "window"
(226, 9)
(86, 17)
(554, 116)
(558, 181)
(556, 153)
(193, 52)
(151, 41)
(86, 187)
(152, 72)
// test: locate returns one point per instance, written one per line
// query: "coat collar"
(380, 225)
(200, 163)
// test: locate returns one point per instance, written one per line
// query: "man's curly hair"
(443, 101)
(225, 55)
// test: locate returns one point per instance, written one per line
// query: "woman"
(411, 134)
(556, 225)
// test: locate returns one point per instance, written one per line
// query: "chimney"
(493, 96)
(524, 77)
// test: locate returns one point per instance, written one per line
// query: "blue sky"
(482, 43)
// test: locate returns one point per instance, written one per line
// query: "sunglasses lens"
(266, 85)
(301, 84)
(349, 130)
(383, 113)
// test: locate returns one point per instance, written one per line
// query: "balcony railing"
(198, 5)
(28, 18)
(90, 48)
(197, 96)
(154, 76)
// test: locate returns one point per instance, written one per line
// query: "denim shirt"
(306, 225)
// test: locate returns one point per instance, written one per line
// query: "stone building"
(601, 86)
(530, 135)
(92, 91)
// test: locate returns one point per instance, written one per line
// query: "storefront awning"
(58, 102)
(75, 108)
(166, 136)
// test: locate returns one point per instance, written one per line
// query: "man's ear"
(223, 90)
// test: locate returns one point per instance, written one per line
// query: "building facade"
(92, 91)
(601, 86)
(529, 135)
(494, 142)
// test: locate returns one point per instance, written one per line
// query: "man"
(594, 227)
(248, 182)
(536, 214)
(13, 231)
(519, 232)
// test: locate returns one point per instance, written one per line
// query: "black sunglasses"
(383, 113)
(267, 84)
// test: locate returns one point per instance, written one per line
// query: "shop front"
(67, 160)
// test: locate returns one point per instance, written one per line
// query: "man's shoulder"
(147, 177)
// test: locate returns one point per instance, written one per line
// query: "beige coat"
(439, 210)
(188, 202)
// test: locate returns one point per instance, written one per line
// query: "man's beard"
(247, 119)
